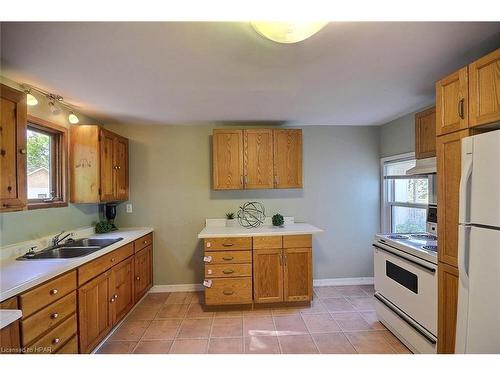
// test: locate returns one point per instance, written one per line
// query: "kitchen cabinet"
(10, 339)
(452, 102)
(122, 289)
(98, 165)
(425, 133)
(143, 276)
(268, 275)
(484, 90)
(297, 269)
(257, 159)
(13, 114)
(447, 308)
(288, 158)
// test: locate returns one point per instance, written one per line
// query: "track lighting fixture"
(30, 98)
(53, 108)
(72, 118)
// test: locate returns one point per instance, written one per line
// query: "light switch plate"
(129, 207)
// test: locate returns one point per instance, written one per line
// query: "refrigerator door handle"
(463, 254)
(466, 174)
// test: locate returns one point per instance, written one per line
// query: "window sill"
(55, 204)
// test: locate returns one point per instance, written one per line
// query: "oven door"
(407, 282)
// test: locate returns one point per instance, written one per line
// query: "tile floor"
(340, 320)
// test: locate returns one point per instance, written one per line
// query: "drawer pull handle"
(227, 244)
(56, 340)
(227, 258)
(137, 277)
(228, 272)
(145, 242)
(112, 259)
(54, 316)
(53, 291)
(228, 292)
(112, 300)
(115, 296)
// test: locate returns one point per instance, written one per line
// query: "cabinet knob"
(2, 152)
(56, 340)
(54, 316)
(54, 291)
(137, 277)
(115, 296)
(22, 151)
(112, 259)
(145, 242)
(112, 300)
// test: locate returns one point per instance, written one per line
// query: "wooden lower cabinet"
(447, 308)
(143, 277)
(268, 275)
(122, 289)
(297, 267)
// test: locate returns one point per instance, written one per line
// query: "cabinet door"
(143, 271)
(287, 158)
(452, 103)
(107, 143)
(484, 90)
(94, 313)
(227, 159)
(447, 308)
(121, 168)
(258, 159)
(267, 275)
(448, 172)
(297, 274)
(13, 196)
(122, 289)
(425, 133)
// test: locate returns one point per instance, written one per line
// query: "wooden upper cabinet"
(267, 275)
(227, 159)
(13, 194)
(98, 165)
(448, 172)
(258, 158)
(425, 133)
(297, 274)
(484, 90)
(288, 158)
(447, 308)
(452, 102)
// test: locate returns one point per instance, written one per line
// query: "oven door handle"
(427, 268)
(429, 337)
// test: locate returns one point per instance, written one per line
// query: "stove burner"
(430, 247)
(397, 237)
(424, 237)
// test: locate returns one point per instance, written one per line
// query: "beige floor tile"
(153, 347)
(302, 344)
(368, 289)
(144, 312)
(258, 312)
(227, 327)
(262, 345)
(130, 331)
(180, 298)
(189, 346)
(373, 342)
(195, 328)
(316, 307)
(372, 319)
(156, 297)
(289, 325)
(117, 347)
(286, 311)
(197, 310)
(351, 321)
(229, 314)
(198, 297)
(258, 326)
(317, 323)
(351, 291)
(162, 329)
(397, 345)
(226, 345)
(362, 303)
(337, 304)
(172, 311)
(333, 343)
(327, 291)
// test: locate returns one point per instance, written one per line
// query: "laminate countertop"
(9, 316)
(17, 276)
(217, 231)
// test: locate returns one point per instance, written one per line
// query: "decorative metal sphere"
(251, 215)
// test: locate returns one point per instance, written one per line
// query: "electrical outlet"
(129, 207)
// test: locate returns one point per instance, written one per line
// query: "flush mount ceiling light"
(287, 32)
(72, 118)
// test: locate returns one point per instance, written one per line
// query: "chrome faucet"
(56, 240)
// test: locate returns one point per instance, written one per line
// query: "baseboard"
(316, 282)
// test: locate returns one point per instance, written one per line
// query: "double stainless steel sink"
(71, 249)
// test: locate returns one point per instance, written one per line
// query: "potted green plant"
(278, 220)
(230, 220)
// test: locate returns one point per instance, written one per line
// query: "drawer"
(53, 340)
(227, 270)
(229, 291)
(47, 293)
(268, 242)
(229, 243)
(142, 242)
(227, 257)
(301, 240)
(47, 318)
(71, 347)
(9, 304)
(97, 266)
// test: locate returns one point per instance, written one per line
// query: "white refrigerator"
(478, 318)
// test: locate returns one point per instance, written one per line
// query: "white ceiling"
(184, 73)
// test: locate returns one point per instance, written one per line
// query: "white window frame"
(385, 205)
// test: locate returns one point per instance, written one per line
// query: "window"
(405, 198)
(46, 145)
